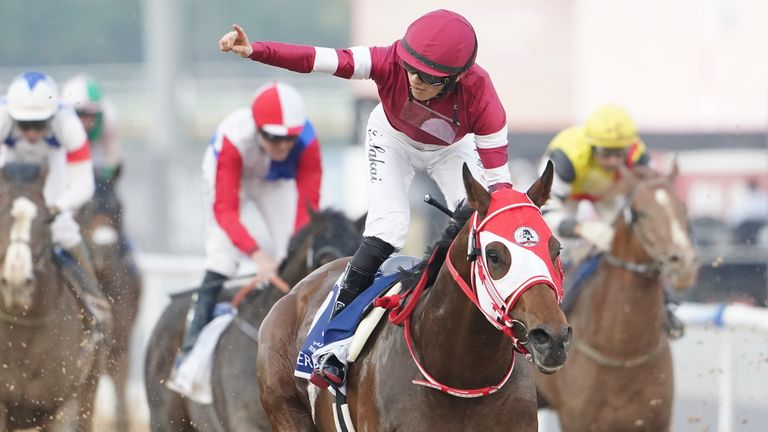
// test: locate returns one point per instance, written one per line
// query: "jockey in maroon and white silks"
(438, 110)
(262, 172)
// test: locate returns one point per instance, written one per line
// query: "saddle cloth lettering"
(337, 335)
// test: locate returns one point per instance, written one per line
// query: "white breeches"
(393, 159)
(268, 212)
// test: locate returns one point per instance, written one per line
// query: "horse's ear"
(539, 190)
(312, 212)
(360, 223)
(674, 171)
(477, 197)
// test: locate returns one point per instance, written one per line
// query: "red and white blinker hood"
(516, 222)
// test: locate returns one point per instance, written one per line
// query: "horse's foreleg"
(278, 390)
(118, 370)
(86, 400)
(287, 413)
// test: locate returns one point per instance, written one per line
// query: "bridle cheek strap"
(501, 309)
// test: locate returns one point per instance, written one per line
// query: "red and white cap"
(278, 109)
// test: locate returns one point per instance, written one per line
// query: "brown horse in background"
(454, 341)
(328, 236)
(51, 355)
(101, 222)
(620, 376)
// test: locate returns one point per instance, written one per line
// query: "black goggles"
(432, 80)
(38, 125)
(277, 138)
(605, 152)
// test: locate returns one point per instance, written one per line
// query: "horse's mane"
(440, 248)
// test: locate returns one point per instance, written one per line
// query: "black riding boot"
(201, 310)
(357, 278)
(361, 271)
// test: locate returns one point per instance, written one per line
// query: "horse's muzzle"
(549, 347)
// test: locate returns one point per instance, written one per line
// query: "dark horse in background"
(452, 339)
(101, 222)
(328, 236)
(50, 354)
(620, 375)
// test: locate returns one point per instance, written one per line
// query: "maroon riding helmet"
(440, 43)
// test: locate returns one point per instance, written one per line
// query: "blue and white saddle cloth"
(336, 336)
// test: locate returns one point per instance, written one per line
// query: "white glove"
(599, 234)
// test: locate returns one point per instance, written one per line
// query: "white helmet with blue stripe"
(32, 96)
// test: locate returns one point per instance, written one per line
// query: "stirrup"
(329, 371)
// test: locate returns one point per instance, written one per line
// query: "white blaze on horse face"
(18, 267)
(679, 235)
(682, 272)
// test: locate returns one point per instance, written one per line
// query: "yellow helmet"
(610, 126)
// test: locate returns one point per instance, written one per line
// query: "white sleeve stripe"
(496, 139)
(326, 60)
(498, 175)
(362, 59)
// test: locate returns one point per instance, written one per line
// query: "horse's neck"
(625, 304)
(295, 267)
(457, 344)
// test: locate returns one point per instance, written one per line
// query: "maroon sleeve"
(309, 175)
(226, 205)
(298, 58)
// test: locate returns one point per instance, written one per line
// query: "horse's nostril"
(539, 337)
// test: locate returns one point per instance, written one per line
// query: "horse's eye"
(493, 257)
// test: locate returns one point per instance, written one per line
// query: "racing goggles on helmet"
(608, 152)
(38, 125)
(432, 80)
(277, 138)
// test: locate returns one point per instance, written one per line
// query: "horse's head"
(515, 268)
(656, 219)
(328, 236)
(101, 221)
(24, 233)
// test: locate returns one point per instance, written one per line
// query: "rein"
(648, 269)
(604, 360)
(402, 315)
(505, 323)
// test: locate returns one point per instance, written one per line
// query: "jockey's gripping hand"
(267, 271)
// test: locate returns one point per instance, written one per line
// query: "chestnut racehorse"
(449, 331)
(620, 376)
